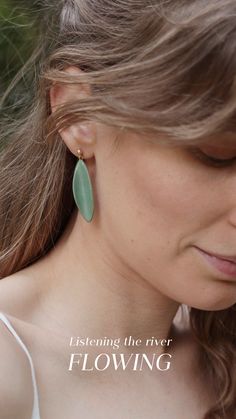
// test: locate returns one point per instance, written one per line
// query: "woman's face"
(158, 204)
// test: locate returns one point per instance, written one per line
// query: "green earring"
(82, 189)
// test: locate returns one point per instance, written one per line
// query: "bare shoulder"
(16, 390)
(19, 292)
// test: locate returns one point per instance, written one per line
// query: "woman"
(117, 209)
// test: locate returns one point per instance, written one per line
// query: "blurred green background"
(18, 32)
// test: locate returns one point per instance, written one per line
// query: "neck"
(97, 294)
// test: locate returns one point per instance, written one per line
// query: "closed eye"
(212, 160)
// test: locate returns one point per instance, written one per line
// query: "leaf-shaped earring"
(82, 189)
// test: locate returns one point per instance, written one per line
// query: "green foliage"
(18, 31)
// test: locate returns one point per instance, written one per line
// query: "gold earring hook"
(80, 153)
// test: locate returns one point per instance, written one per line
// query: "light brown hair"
(153, 66)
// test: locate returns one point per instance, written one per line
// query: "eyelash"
(212, 161)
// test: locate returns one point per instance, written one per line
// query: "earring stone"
(82, 189)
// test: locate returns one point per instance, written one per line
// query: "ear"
(78, 135)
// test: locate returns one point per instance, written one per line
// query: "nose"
(232, 218)
(232, 214)
(230, 197)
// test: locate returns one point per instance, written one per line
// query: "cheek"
(163, 202)
(151, 205)
(174, 199)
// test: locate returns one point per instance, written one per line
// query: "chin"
(215, 304)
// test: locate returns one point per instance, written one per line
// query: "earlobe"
(79, 135)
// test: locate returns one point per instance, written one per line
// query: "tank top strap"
(35, 413)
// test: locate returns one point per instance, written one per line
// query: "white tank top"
(35, 412)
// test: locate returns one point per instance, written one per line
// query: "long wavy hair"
(153, 67)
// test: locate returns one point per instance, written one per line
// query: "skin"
(127, 272)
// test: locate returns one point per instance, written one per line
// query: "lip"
(223, 264)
